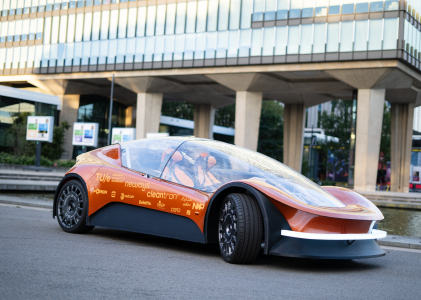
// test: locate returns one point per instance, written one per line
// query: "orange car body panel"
(126, 186)
(107, 181)
(358, 208)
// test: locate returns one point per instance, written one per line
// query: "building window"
(376, 6)
(347, 36)
(362, 6)
(319, 44)
(281, 40)
(306, 39)
(293, 39)
(360, 43)
(375, 35)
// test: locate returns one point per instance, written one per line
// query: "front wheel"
(240, 229)
(71, 208)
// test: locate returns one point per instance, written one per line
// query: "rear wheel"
(71, 208)
(240, 229)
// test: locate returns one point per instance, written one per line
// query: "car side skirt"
(138, 219)
(326, 249)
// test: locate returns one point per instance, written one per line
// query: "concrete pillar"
(294, 117)
(69, 108)
(148, 113)
(204, 118)
(247, 119)
(367, 144)
(402, 116)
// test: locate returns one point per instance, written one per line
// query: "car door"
(134, 197)
(143, 163)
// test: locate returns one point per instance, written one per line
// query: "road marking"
(26, 207)
(401, 249)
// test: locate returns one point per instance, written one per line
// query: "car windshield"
(148, 156)
(206, 165)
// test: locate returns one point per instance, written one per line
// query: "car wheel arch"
(66, 179)
(273, 220)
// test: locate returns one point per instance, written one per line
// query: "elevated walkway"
(394, 199)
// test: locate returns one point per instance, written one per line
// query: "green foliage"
(66, 163)
(22, 147)
(181, 110)
(6, 158)
(17, 135)
(271, 131)
(337, 124)
(305, 167)
(385, 139)
(225, 116)
(55, 149)
(328, 183)
(271, 123)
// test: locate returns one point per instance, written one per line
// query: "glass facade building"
(55, 36)
(10, 110)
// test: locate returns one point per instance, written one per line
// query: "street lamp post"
(110, 115)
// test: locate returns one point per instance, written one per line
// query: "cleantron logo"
(98, 191)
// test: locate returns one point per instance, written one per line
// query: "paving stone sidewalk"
(391, 240)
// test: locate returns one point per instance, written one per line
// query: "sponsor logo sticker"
(98, 191)
(144, 202)
(198, 206)
(123, 196)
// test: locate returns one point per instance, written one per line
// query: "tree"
(181, 110)
(17, 134)
(55, 149)
(225, 116)
(385, 139)
(22, 147)
(271, 131)
(338, 125)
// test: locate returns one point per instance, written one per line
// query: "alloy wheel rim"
(70, 206)
(228, 228)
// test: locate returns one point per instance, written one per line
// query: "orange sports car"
(206, 191)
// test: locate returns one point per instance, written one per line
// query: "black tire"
(240, 229)
(71, 208)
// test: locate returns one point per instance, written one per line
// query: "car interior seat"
(202, 167)
(175, 171)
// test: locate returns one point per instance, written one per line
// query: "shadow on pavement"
(139, 239)
(212, 251)
(319, 265)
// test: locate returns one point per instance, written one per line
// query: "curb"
(29, 203)
(409, 242)
(389, 204)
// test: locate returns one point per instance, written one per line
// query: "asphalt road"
(39, 260)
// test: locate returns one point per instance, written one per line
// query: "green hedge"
(6, 158)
